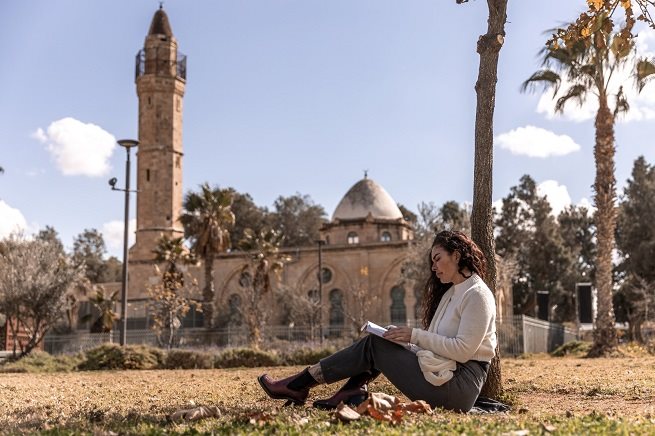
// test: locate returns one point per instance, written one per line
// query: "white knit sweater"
(463, 327)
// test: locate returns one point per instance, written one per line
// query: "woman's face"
(444, 265)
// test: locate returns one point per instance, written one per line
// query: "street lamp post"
(320, 243)
(127, 144)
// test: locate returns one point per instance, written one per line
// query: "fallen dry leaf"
(363, 406)
(548, 428)
(378, 414)
(383, 401)
(261, 418)
(397, 415)
(195, 414)
(346, 414)
(418, 406)
(520, 432)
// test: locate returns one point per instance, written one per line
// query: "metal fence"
(277, 336)
(516, 335)
(522, 334)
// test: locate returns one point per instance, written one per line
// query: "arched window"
(385, 237)
(234, 306)
(398, 309)
(337, 316)
(353, 238)
(193, 318)
(326, 275)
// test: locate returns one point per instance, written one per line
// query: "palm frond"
(644, 72)
(587, 70)
(547, 78)
(560, 56)
(578, 92)
(622, 105)
(207, 219)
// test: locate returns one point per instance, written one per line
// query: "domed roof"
(160, 24)
(366, 197)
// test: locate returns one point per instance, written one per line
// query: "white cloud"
(536, 142)
(113, 234)
(556, 194)
(584, 202)
(11, 220)
(78, 148)
(642, 105)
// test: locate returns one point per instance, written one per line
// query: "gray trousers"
(400, 366)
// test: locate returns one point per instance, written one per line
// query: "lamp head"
(112, 182)
(128, 143)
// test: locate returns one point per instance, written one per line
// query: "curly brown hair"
(471, 258)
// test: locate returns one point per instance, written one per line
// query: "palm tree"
(173, 253)
(207, 219)
(105, 315)
(589, 65)
(265, 263)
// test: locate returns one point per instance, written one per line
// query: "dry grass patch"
(565, 393)
(619, 386)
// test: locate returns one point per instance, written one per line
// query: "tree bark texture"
(208, 292)
(489, 46)
(605, 340)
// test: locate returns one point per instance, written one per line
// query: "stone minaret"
(160, 82)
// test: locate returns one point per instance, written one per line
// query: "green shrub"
(113, 356)
(247, 357)
(40, 361)
(573, 348)
(186, 359)
(306, 355)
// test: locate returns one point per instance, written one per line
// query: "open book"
(378, 330)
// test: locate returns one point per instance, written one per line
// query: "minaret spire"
(160, 85)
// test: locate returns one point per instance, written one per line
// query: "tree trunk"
(33, 336)
(605, 340)
(638, 336)
(254, 320)
(208, 292)
(489, 46)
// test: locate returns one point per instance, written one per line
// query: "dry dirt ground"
(540, 386)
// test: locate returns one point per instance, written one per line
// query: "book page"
(371, 327)
(374, 329)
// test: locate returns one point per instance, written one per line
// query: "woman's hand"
(399, 334)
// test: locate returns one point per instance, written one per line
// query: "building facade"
(364, 243)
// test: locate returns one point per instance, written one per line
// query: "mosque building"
(365, 241)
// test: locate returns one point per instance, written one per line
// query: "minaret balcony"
(160, 64)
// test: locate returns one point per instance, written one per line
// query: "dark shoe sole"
(277, 396)
(355, 401)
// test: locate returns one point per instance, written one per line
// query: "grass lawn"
(552, 396)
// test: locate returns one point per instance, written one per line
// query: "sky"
(285, 97)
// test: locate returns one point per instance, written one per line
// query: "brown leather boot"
(280, 389)
(350, 397)
(353, 393)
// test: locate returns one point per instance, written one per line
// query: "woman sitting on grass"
(454, 347)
